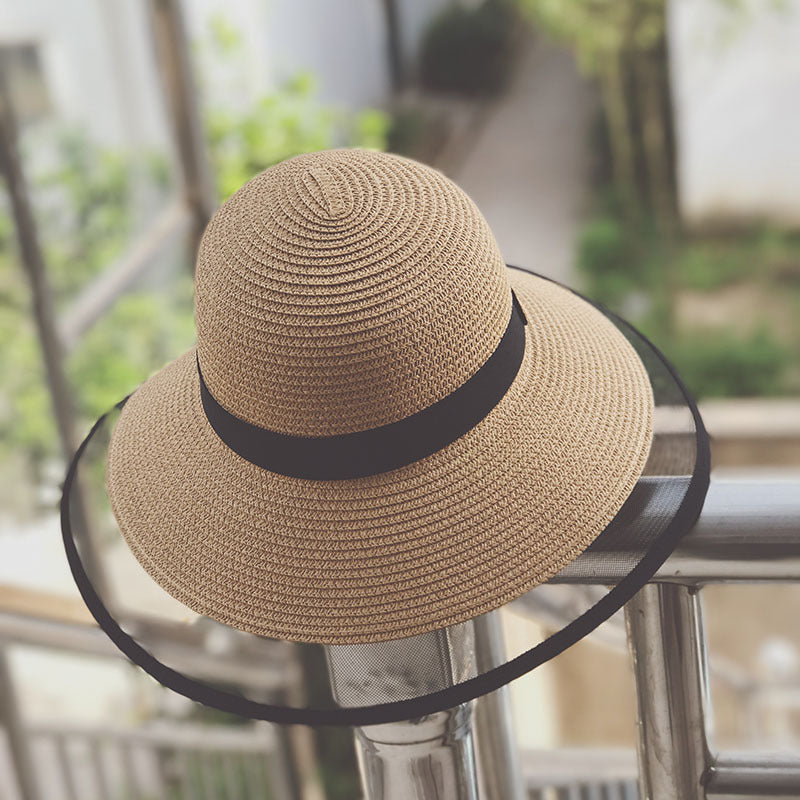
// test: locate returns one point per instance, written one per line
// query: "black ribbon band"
(369, 452)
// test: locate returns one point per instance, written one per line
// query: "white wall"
(97, 63)
(342, 43)
(736, 90)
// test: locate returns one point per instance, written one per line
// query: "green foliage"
(606, 260)
(712, 261)
(724, 363)
(84, 219)
(599, 30)
(86, 209)
(418, 132)
(369, 129)
(621, 45)
(206, 774)
(143, 331)
(616, 259)
(83, 207)
(469, 50)
(708, 265)
(26, 418)
(621, 263)
(223, 38)
(408, 126)
(278, 125)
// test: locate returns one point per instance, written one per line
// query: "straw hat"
(383, 430)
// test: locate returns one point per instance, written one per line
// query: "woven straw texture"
(339, 291)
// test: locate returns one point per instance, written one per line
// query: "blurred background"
(645, 152)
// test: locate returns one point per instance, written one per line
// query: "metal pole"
(499, 763)
(16, 736)
(498, 754)
(749, 530)
(428, 758)
(667, 648)
(764, 775)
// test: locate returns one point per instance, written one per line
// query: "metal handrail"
(722, 546)
(665, 634)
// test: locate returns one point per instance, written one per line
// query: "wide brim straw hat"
(383, 430)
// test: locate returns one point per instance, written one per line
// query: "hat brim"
(437, 542)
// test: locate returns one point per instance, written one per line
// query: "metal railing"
(747, 532)
(159, 760)
(580, 772)
(174, 761)
(154, 761)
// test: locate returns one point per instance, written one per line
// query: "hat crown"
(345, 289)
(330, 193)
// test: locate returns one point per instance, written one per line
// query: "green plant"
(86, 210)
(279, 124)
(606, 260)
(706, 265)
(83, 209)
(714, 260)
(469, 50)
(408, 127)
(142, 332)
(84, 206)
(725, 363)
(635, 269)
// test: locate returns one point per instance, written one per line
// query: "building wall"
(735, 71)
(97, 64)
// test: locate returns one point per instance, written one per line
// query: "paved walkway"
(528, 166)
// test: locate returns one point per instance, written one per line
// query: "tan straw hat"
(383, 429)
